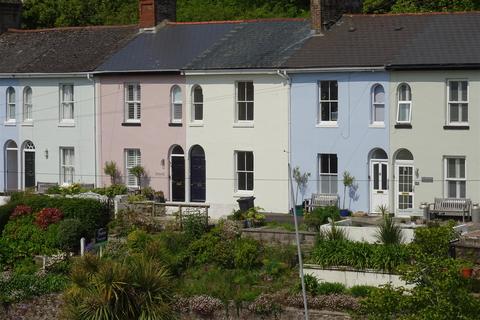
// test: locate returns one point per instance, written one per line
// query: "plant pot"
(467, 272)
(344, 212)
(248, 224)
(299, 211)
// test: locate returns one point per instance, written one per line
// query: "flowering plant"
(48, 216)
(21, 210)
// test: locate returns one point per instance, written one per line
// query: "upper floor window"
(378, 105)
(177, 103)
(244, 170)
(27, 104)
(404, 113)
(10, 104)
(67, 103)
(132, 102)
(245, 101)
(457, 102)
(328, 173)
(197, 107)
(328, 102)
(455, 177)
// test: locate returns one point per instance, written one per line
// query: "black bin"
(246, 203)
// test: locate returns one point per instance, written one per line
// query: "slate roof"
(170, 48)
(61, 50)
(259, 44)
(435, 40)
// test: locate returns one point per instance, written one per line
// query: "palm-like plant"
(388, 231)
(135, 288)
(138, 172)
(111, 170)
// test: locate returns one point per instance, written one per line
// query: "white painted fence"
(350, 278)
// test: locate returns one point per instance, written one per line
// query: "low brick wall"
(287, 314)
(276, 236)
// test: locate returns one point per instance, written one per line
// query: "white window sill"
(327, 125)
(377, 125)
(457, 124)
(27, 124)
(196, 124)
(10, 123)
(66, 124)
(243, 193)
(243, 125)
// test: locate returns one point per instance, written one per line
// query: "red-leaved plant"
(20, 210)
(48, 216)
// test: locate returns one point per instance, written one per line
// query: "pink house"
(141, 94)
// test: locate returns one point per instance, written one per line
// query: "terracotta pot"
(467, 272)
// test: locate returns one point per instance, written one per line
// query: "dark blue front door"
(197, 175)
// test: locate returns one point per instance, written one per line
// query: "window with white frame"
(328, 103)
(27, 104)
(378, 105)
(67, 165)
(404, 99)
(457, 102)
(11, 113)
(245, 101)
(244, 170)
(67, 103)
(328, 173)
(133, 158)
(197, 104)
(133, 103)
(455, 177)
(177, 104)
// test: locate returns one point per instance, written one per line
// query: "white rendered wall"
(220, 137)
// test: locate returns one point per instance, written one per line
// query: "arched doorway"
(28, 164)
(378, 174)
(404, 181)
(11, 166)
(177, 174)
(197, 174)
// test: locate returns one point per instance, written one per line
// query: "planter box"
(351, 277)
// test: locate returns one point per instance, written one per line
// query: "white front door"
(405, 187)
(378, 184)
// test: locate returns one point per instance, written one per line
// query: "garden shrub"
(21, 287)
(205, 305)
(359, 255)
(328, 288)
(311, 284)
(211, 248)
(20, 210)
(69, 233)
(319, 216)
(434, 240)
(5, 212)
(360, 291)
(194, 225)
(246, 253)
(138, 240)
(112, 191)
(172, 249)
(265, 306)
(48, 216)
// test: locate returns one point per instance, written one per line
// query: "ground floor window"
(67, 165)
(455, 177)
(244, 170)
(132, 159)
(328, 173)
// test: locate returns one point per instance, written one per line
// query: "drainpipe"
(95, 96)
(284, 74)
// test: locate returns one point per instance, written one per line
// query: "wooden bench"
(450, 207)
(322, 200)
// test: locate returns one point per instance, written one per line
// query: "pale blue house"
(339, 122)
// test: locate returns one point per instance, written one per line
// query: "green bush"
(138, 240)
(112, 191)
(25, 286)
(246, 253)
(194, 225)
(319, 216)
(434, 240)
(327, 288)
(361, 291)
(69, 233)
(311, 285)
(5, 212)
(211, 248)
(359, 255)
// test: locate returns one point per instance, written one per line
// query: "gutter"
(45, 75)
(471, 66)
(229, 72)
(336, 69)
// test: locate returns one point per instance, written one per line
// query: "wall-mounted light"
(46, 153)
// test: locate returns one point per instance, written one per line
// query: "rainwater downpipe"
(95, 102)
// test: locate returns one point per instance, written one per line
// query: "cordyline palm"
(135, 288)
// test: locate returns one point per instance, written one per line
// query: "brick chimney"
(153, 12)
(324, 13)
(10, 14)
